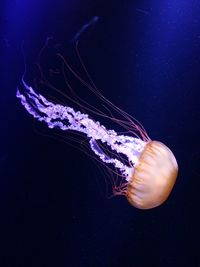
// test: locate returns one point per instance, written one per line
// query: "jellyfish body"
(150, 168)
(153, 176)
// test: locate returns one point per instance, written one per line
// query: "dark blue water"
(145, 57)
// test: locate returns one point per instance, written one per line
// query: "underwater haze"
(55, 204)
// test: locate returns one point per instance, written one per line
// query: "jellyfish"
(148, 168)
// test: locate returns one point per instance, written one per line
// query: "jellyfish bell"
(153, 176)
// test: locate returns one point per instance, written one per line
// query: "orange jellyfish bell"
(153, 176)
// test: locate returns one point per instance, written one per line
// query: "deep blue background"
(145, 57)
